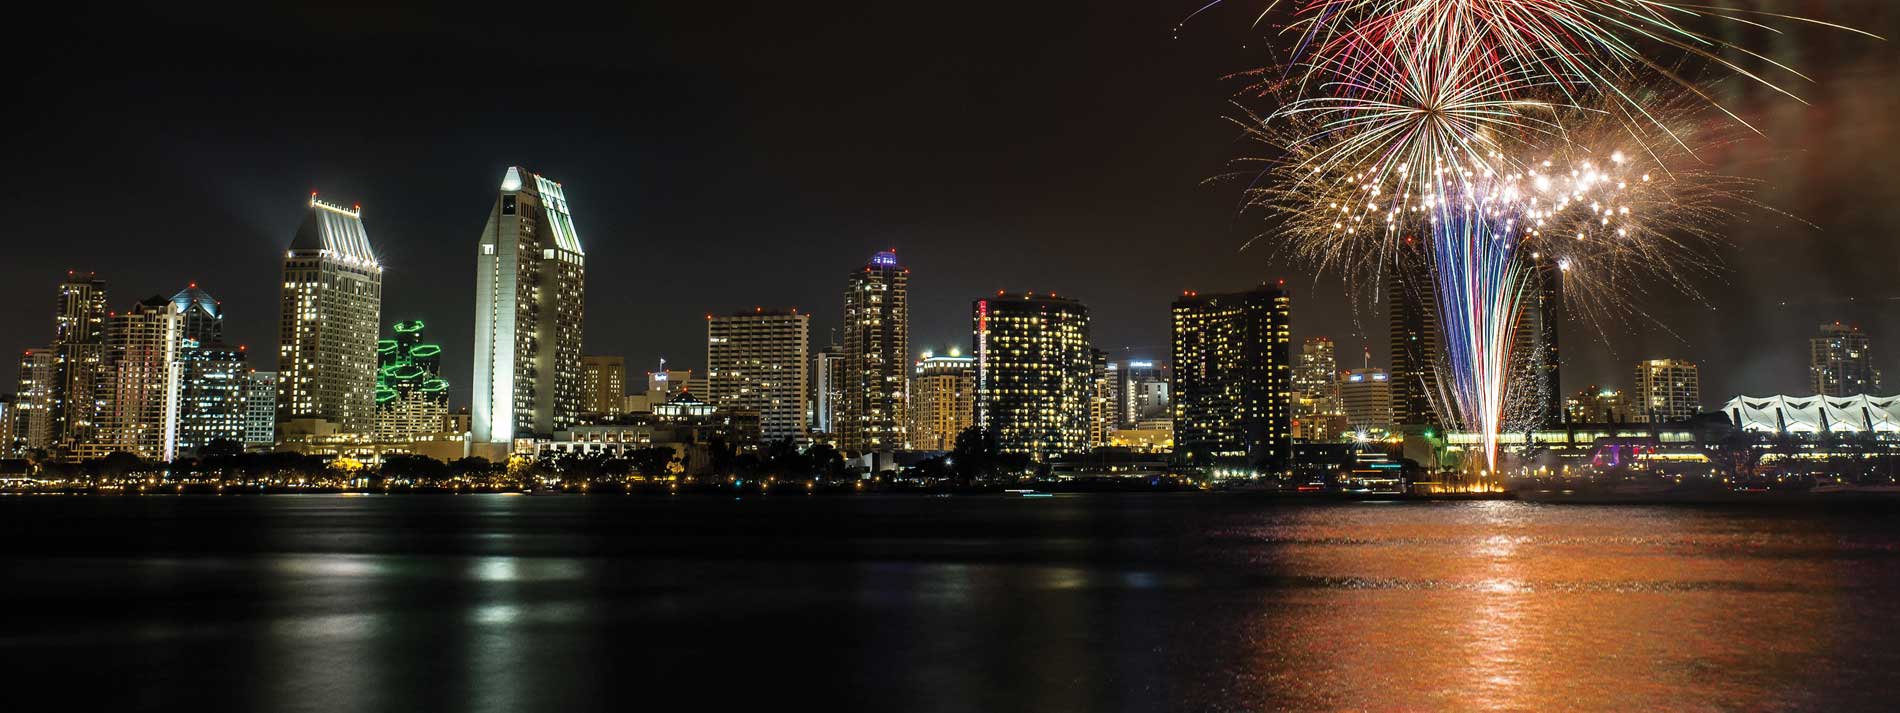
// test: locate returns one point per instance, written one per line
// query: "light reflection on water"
(1093, 603)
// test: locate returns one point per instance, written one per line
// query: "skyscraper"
(1411, 310)
(213, 377)
(260, 409)
(214, 398)
(529, 308)
(1366, 395)
(1034, 373)
(1318, 414)
(143, 383)
(603, 386)
(79, 339)
(1666, 390)
(1104, 412)
(942, 400)
(331, 309)
(412, 398)
(827, 370)
(1840, 362)
(35, 402)
(876, 342)
(1536, 343)
(756, 362)
(1232, 377)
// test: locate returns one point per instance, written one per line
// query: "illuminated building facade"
(260, 409)
(1104, 411)
(603, 386)
(1840, 362)
(1536, 341)
(1412, 318)
(1596, 405)
(332, 308)
(1318, 414)
(34, 403)
(1034, 373)
(942, 400)
(529, 307)
(827, 372)
(1142, 391)
(79, 342)
(756, 362)
(1233, 379)
(1666, 390)
(412, 398)
(140, 398)
(214, 394)
(871, 416)
(1366, 395)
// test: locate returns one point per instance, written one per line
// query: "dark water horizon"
(1114, 602)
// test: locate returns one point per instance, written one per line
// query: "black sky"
(719, 157)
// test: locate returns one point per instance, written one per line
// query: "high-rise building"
(9, 427)
(1318, 414)
(603, 386)
(214, 394)
(1596, 405)
(1233, 375)
(1840, 362)
(827, 388)
(260, 409)
(1143, 391)
(756, 362)
(1104, 412)
(35, 402)
(1034, 373)
(1666, 390)
(529, 307)
(143, 383)
(201, 318)
(942, 400)
(1367, 397)
(876, 345)
(213, 376)
(1412, 314)
(331, 310)
(1536, 341)
(412, 398)
(79, 339)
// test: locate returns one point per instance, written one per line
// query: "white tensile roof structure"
(1815, 414)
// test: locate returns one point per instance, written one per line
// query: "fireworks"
(1510, 136)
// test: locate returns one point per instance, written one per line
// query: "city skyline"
(676, 200)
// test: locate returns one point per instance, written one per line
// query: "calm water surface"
(1076, 603)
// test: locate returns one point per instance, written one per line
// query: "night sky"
(720, 157)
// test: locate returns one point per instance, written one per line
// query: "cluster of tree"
(977, 457)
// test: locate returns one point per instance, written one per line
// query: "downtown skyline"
(1036, 195)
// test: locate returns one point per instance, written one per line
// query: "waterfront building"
(871, 417)
(1233, 380)
(756, 362)
(260, 409)
(143, 383)
(1596, 405)
(1034, 373)
(603, 386)
(1535, 344)
(1318, 414)
(1412, 315)
(1840, 362)
(411, 396)
(1666, 390)
(214, 394)
(942, 400)
(78, 352)
(331, 311)
(1815, 415)
(35, 402)
(827, 388)
(1366, 395)
(529, 308)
